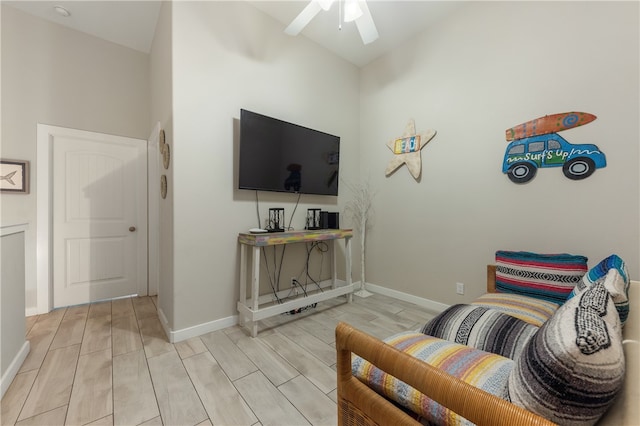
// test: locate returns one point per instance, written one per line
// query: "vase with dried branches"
(360, 210)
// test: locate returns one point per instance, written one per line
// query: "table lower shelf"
(248, 314)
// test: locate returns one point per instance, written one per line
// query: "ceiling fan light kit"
(354, 10)
(62, 11)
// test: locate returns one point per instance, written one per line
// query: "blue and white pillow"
(616, 283)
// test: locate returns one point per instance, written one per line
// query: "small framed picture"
(14, 176)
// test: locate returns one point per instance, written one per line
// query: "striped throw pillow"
(544, 276)
(482, 328)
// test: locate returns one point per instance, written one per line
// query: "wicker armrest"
(360, 405)
(491, 278)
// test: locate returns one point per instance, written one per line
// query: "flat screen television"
(279, 156)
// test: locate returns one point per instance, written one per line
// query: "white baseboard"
(219, 324)
(420, 301)
(29, 312)
(207, 327)
(13, 368)
(196, 330)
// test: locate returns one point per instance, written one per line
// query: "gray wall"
(54, 75)
(162, 112)
(11, 299)
(228, 56)
(487, 67)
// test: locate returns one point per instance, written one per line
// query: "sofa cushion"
(529, 309)
(617, 283)
(572, 369)
(545, 276)
(482, 328)
(481, 369)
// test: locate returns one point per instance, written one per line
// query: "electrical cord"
(295, 283)
(292, 214)
(277, 277)
(274, 278)
(304, 308)
(294, 210)
(258, 210)
(322, 248)
(266, 263)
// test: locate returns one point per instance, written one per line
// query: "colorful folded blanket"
(529, 309)
(481, 369)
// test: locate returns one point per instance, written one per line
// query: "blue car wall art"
(536, 144)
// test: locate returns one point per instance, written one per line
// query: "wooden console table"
(250, 310)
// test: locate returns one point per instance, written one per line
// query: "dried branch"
(360, 209)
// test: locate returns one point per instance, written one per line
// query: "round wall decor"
(163, 186)
(166, 156)
(161, 141)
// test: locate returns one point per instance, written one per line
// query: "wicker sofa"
(360, 404)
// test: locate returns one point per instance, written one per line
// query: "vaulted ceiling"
(132, 23)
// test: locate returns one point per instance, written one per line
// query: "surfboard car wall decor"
(536, 144)
(549, 124)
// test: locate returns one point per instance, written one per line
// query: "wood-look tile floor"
(110, 363)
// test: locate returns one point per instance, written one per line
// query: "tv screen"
(279, 156)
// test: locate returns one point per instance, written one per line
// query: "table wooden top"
(289, 237)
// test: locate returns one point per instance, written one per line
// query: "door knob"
(132, 229)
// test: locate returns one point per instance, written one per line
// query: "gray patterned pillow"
(482, 328)
(571, 371)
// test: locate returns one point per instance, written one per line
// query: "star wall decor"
(406, 149)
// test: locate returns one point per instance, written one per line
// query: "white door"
(99, 217)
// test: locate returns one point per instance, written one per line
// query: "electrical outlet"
(460, 288)
(294, 280)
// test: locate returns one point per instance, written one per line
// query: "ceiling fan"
(354, 10)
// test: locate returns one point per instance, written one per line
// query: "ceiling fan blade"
(365, 24)
(325, 4)
(301, 21)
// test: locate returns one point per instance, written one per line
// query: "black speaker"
(324, 220)
(334, 220)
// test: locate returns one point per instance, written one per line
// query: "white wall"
(228, 56)
(162, 111)
(488, 67)
(54, 75)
